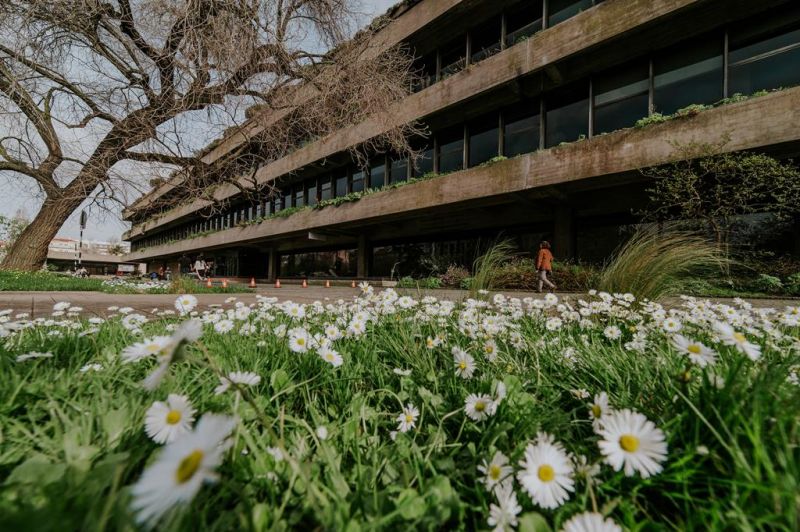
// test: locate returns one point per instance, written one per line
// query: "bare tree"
(90, 89)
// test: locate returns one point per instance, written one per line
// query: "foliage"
(712, 187)
(654, 263)
(45, 281)
(10, 229)
(768, 283)
(793, 284)
(487, 265)
(73, 440)
(655, 118)
(454, 275)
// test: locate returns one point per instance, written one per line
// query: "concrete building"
(96, 256)
(531, 107)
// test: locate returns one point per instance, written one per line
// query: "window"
(521, 128)
(524, 21)
(287, 198)
(688, 74)
(484, 140)
(451, 150)
(299, 195)
(325, 192)
(764, 63)
(341, 184)
(377, 172)
(312, 192)
(424, 163)
(452, 57)
(621, 97)
(358, 182)
(485, 40)
(398, 169)
(567, 117)
(561, 10)
(425, 68)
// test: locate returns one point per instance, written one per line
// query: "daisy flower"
(298, 341)
(243, 378)
(330, 356)
(402, 372)
(612, 332)
(189, 331)
(698, 353)
(503, 514)
(91, 367)
(322, 432)
(464, 363)
(729, 336)
(185, 303)
(164, 422)
(490, 350)
(631, 441)
(181, 469)
(598, 410)
(408, 419)
(223, 326)
(479, 407)
(671, 325)
(546, 473)
(590, 522)
(149, 347)
(33, 355)
(496, 471)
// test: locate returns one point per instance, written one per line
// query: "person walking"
(200, 267)
(544, 265)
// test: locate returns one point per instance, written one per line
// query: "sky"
(18, 196)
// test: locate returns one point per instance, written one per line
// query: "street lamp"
(80, 241)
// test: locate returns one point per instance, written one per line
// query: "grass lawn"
(387, 413)
(51, 282)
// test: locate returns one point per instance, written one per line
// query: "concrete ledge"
(599, 24)
(752, 124)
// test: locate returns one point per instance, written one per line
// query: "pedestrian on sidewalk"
(544, 265)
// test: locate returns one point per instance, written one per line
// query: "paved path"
(41, 303)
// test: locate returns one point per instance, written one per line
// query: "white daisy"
(408, 419)
(149, 347)
(632, 441)
(612, 332)
(242, 378)
(188, 331)
(322, 432)
(671, 325)
(496, 471)
(185, 303)
(729, 336)
(598, 410)
(133, 322)
(503, 515)
(181, 469)
(33, 355)
(546, 473)
(91, 367)
(697, 352)
(299, 341)
(402, 372)
(490, 350)
(590, 522)
(164, 422)
(330, 356)
(463, 362)
(223, 326)
(479, 407)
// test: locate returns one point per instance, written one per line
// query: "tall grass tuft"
(656, 263)
(487, 265)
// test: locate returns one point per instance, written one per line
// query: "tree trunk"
(29, 251)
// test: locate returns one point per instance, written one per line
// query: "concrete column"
(273, 264)
(362, 261)
(564, 234)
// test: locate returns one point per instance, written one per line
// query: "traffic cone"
(305, 283)
(224, 283)
(252, 282)
(327, 284)
(353, 284)
(277, 283)
(208, 282)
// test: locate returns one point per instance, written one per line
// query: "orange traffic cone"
(208, 282)
(277, 283)
(224, 283)
(305, 283)
(327, 284)
(252, 282)
(353, 284)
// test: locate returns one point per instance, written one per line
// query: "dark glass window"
(299, 195)
(453, 57)
(424, 163)
(484, 140)
(398, 170)
(269, 207)
(621, 97)
(521, 129)
(287, 199)
(341, 185)
(325, 189)
(425, 68)
(567, 117)
(485, 40)
(561, 10)
(523, 21)
(259, 213)
(377, 172)
(689, 74)
(451, 150)
(765, 63)
(312, 192)
(357, 183)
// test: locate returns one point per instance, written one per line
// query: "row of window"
(701, 71)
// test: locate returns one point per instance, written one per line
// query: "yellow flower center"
(329, 356)
(629, 443)
(739, 337)
(153, 348)
(462, 365)
(694, 348)
(597, 411)
(189, 466)
(409, 418)
(301, 341)
(546, 473)
(480, 406)
(494, 471)
(173, 416)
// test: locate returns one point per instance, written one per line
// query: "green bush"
(466, 283)
(432, 282)
(793, 284)
(406, 282)
(454, 276)
(768, 283)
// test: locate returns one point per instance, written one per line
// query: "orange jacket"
(544, 260)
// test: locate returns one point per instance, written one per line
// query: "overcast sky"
(16, 193)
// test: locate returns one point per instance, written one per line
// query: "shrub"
(655, 118)
(793, 284)
(406, 282)
(487, 265)
(432, 282)
(454, 275)
(466, 283)
(768, 283)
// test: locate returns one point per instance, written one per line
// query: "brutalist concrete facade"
(532, 108)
